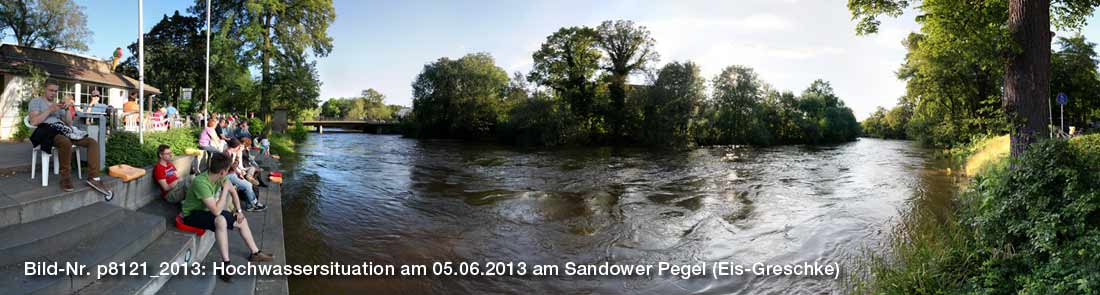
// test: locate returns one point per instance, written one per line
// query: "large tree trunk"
(1027, 74)
(618, 107)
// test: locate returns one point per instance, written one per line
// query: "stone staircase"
(45, 224)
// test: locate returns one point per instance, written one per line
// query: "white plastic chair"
(130, 121)
(37, 152)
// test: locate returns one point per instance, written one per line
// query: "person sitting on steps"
(209, 193)
(164, 172)
(238, 175)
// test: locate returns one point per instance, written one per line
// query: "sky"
(385, 44)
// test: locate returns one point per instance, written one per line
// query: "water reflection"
(386, 199)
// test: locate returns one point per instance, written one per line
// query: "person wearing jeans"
(237, 176)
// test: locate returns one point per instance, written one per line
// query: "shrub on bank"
(1033, 228)
(124, 147)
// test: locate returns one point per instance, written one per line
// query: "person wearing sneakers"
(238, 175)
(210, 193)
(54, 129)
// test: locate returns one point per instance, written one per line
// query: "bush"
(1038, 224)
(298, 133)
(1028, 228)
(124, 148)
(22, 132)
(256, 126)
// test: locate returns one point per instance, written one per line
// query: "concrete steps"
(24, 200)
(121, 240)
(189, 285)
(238, 255)
(171, 247)
(55, 234)
(174, 246)
(44, 224)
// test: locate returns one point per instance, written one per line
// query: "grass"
(282, 145)
(985, 153)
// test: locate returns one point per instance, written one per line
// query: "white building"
(77, 75)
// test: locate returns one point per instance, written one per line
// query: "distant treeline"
(577, 93)
(369, 105)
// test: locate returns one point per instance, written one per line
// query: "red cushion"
(188, 228)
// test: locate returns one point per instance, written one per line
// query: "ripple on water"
(398, 200)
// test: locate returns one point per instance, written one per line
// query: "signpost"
(185, 94)
(1062, 100)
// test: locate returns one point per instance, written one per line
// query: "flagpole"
(206, 89)
(141, 73)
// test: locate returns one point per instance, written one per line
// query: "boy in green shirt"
(210, 192)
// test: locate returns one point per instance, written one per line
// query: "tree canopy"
(50, 24)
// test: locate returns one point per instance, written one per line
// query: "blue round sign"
(1062, 98)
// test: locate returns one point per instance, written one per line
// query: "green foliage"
(1039, 224)
(955, 67)
(627, 49)
(34, 84)
(671, 104)
(50, 24)
(22, 132)
(567, 63)
(370, 106)
(744, 111)
(256, 126)
(173, 48)
(459, 97)
(590, 102)
(275, 36)
(298, 132)
(1032, 228)
(295, 84)
(541, 121)
(282, 145)
(1073, 72)
(890, 124)
(124, 147)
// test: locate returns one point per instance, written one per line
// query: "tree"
(671, 104)
(1073, 72)
(295, 84)
(1027, 68)
(50, 24)
(174, 49)
(459, 97)
(737, 90)
(270, 30)
(567, 63)
(627, 49)
(828, 120)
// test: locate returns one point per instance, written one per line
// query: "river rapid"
(353, 198)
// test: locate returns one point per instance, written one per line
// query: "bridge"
(375, 127)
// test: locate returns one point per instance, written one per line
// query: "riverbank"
(1031, 229)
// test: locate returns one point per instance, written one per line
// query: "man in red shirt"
(165, 175)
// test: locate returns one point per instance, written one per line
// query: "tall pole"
(206, 89)
(1062, 114)
(141, 73)
(1050, 118)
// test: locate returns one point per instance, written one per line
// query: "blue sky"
(384, 44)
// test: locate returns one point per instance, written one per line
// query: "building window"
(66, 89)
(86, 93)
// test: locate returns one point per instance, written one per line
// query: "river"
(390, 200)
